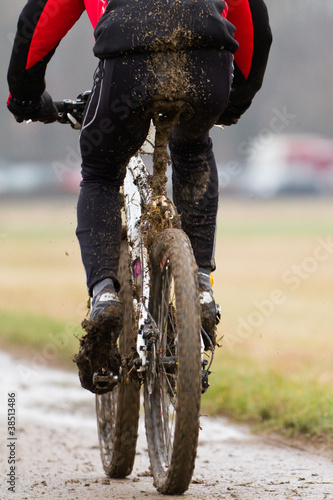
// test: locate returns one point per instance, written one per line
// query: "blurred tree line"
(297, 87)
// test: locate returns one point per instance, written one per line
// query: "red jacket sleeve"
(41, 26)
(253, 33)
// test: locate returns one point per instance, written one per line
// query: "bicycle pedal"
(103, 381)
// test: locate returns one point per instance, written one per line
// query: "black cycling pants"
(114, 128)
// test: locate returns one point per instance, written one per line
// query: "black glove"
(230, 116)
(41, 111)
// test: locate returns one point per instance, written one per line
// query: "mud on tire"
(118, 411)
(172, 389)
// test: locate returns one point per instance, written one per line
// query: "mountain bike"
(161, 341)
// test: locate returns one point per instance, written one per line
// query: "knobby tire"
(172, 389)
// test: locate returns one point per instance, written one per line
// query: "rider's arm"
(41, 26)
(253, 33)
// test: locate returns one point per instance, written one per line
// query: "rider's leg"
(99, 231)
(195, 189)
(195, 177)
(196, 194)
(112, 132)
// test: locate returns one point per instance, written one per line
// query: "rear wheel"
(172, 390)
(118, 411)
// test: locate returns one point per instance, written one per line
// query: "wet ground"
(57, 457)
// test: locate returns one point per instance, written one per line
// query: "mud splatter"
(98, 351)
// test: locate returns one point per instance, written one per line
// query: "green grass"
(269, 400)
(31, 334)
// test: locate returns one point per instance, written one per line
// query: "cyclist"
(226, 45)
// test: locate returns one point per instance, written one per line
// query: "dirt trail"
(58, 457)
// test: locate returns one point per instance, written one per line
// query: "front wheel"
(172, 389)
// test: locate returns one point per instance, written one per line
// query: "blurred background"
(289, 125)
(274, 248)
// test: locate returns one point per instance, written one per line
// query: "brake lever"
(73, 122)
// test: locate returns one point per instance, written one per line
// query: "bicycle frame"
(137, 192)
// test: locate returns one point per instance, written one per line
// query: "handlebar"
(71, 111)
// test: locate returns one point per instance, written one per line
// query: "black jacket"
(143, 25)
(129, 26)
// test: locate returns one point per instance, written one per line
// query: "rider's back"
(134, 26)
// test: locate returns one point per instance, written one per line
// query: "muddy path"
(57, 455)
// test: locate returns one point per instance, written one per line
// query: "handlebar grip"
(70, 111)
(60, 106)
(66, 106)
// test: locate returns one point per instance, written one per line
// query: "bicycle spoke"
(167, 395)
